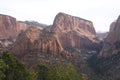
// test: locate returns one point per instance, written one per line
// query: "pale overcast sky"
(100, 12)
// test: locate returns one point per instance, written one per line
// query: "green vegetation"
(42, 72)
(63, 73)
(3, 68)
(57, 72)
(12, 69)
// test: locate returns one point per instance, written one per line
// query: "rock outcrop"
(34, 39)
(39, 46)
(112, 42)
(10, 27)
(74, 32)
(6, 43)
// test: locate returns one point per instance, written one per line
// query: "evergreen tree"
(32, 74)
(15, 70)
(63, 73)
(71, 73)
(3, 68)
(12, 69)
(42, 72)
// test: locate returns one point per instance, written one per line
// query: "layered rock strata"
(10, 27)
(35, 39)
(74, 32)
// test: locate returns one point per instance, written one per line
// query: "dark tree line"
(12, 69)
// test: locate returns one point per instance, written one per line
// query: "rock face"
(9, 27)
(112, 42)
(35, 45)
(6, 43)
(34, 39)
(74, 32)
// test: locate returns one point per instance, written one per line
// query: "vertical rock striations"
(74, 32)
(9, 27)
(34, 39)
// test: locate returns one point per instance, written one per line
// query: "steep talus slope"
(74, 32)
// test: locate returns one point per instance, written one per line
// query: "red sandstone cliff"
(35, 39)
(74, 32)
(112, 42)
(10, 27)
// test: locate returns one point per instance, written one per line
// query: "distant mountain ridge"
(102, 35)
(35, 23)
